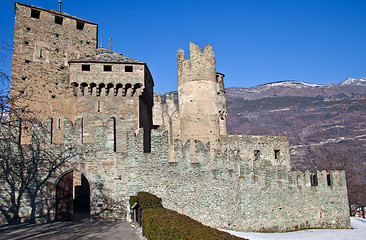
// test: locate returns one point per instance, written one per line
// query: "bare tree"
(25, 169)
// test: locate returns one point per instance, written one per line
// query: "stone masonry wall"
(240, 194)
(41, 51)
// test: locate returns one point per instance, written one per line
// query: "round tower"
(197, 91)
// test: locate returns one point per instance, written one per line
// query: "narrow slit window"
(51, 132)
(114, 136)
(80, 25)
(98, 106)
(59, 123)
(35, 13)
(128, 69)
(85, 68)
(314, 179)
(277, 154)
(59, 20)
(329, 179)
(107, 68)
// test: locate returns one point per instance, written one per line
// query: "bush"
(146, 200)
(163, 224)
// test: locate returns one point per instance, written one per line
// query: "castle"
(130, 139)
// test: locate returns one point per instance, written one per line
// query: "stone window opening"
(26, 42)
(27, 61)
(277, 154)
(329, 179)
(59, 123)
(314, 179)
(51, 132)
(35, 13)
(98, 106)
(28, 28)
(59, 20)
(80, 25)
(114, 135)
(107, 68)
(85, 67)
(128, 68)
(41, 53)
(256, 154)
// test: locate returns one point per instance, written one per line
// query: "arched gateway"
(72, 197)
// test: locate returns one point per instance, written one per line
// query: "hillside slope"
(312, 117)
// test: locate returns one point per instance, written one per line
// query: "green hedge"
(146, 200)
(163, 224)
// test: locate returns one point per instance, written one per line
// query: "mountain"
(350, 88)
(315, 118)
(354, 81)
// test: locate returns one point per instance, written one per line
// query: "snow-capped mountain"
(354, 81)
(352, 87)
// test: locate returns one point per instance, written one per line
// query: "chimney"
(110, 44)
(59, 5)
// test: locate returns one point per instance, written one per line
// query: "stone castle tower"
(129, 139)
(197, 94)
(99, 83)
(44, 42)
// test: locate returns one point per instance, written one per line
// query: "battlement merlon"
(200, 66)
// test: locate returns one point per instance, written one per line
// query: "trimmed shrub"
(146, 200)
(163, 224)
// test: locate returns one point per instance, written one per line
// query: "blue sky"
(255, 41)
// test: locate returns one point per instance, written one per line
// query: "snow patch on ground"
(357, 233)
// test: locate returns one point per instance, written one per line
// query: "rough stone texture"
(180, 152)
(41, 51)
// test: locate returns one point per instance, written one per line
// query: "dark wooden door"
(64, 198)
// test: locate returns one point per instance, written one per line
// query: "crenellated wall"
(236, 193)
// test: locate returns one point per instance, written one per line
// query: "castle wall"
(274, 149)
(239, 194)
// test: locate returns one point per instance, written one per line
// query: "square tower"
(44, 41)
